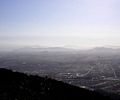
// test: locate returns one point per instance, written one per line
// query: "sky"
(68, 23)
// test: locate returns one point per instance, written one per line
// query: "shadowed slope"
(19, 86)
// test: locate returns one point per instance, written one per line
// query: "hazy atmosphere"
(66, 23)
(59, 49)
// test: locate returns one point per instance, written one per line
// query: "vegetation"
(19, 86)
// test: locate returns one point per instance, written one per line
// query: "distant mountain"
(43, 49)
(18, 86)
(105, 50)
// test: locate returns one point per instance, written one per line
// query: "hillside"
(19, 86)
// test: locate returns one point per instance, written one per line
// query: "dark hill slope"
(19, 86)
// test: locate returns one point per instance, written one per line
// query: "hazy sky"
(71, 23)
